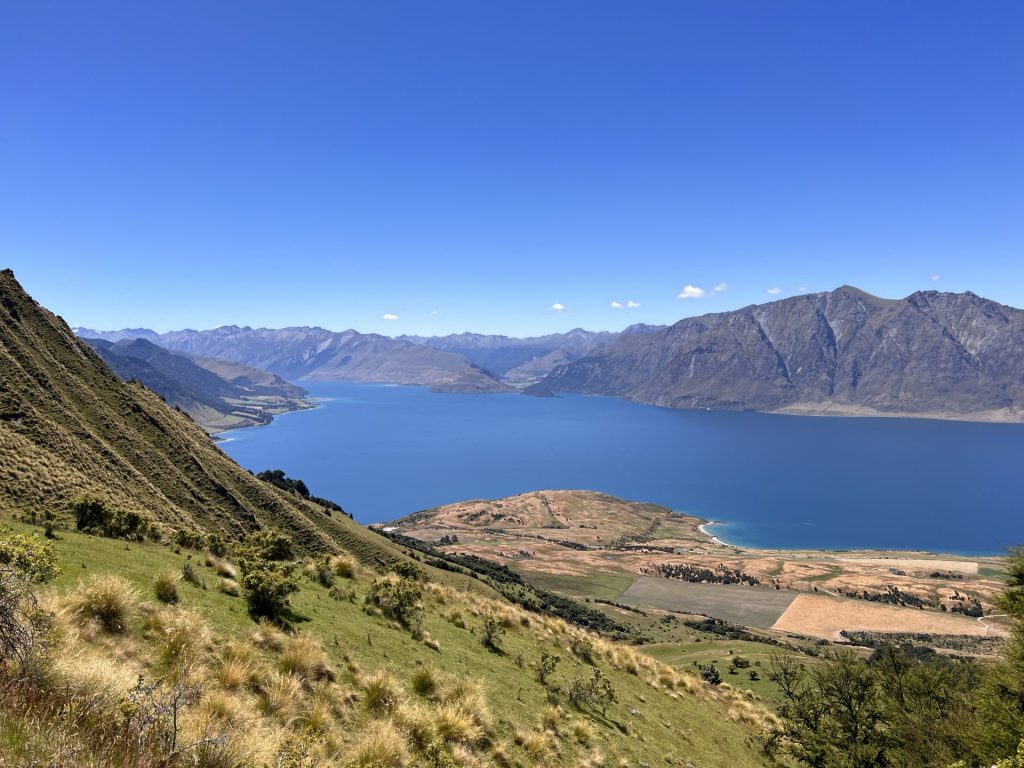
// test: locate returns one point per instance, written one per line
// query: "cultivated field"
(748, 606)
(826, 617)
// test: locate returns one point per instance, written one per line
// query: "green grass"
(595, 584)
(693, 728)
(721, 652)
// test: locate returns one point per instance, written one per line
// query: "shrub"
(29, 558)
(189, 574)
(229, 587)
(595, 692)
(225, 569)
(710, 674)
(166, 587)
(492, 631)
(94, 516)
(398, 598)
(106, 598)
(546, 666)
(266, 586)
(266, 580)
(583, 648)
(215, 544)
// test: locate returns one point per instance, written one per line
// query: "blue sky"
(469, 166)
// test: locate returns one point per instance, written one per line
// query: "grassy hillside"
(349, 653)
(149, 654)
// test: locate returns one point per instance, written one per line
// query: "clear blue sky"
(470, 165)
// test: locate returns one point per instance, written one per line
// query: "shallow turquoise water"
(777, 481)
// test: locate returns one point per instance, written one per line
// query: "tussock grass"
(381, 692)
(107, 599)
(382, 745)
(165, 586)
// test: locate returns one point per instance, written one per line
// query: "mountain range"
(300, 354)
(845, 351)
(218, 394)
(841, 352)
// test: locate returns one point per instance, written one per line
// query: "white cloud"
(558, 307)
(692, 292)
(632, 304)
(774, 291)
(936, 278)
(721, 287)
(802, 288)
(616, 305)
(435, 311)
(388, 316)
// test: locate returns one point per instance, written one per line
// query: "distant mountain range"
(219, 395)
(944, 355)
(844, 352)
(298, 354)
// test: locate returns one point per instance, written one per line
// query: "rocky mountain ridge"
(845, 351)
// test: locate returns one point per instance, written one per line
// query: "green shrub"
(397, 598)
(267, 581)
(491, 632)
(191, 575)
(94, 516)
(28, 557)
(546, 666)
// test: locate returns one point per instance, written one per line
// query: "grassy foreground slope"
(132, 630)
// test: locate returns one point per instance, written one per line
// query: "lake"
(776, 481)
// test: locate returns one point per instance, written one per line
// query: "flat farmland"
(826, 617)
(749, 606)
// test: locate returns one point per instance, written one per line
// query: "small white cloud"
(632, 304)
(802, 288)
(692, 292)
(616, 305)
(558, 307)
(774, 291)
(388, 316)
(936, 278)
(721, 287)
(435, 311)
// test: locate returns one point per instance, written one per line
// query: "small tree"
(546, 666)
(710, 674)
(492, 631)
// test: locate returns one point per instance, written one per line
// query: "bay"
(774, 481)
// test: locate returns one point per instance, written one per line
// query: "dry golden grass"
(107, 599)
(382, 745)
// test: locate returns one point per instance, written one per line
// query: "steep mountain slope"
(845, 351)
(69, 426)
(189, 384)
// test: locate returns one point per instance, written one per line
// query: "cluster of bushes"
(94, 516)
(722, 574)
(278, 478)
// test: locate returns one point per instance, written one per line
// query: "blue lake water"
(776, 481)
